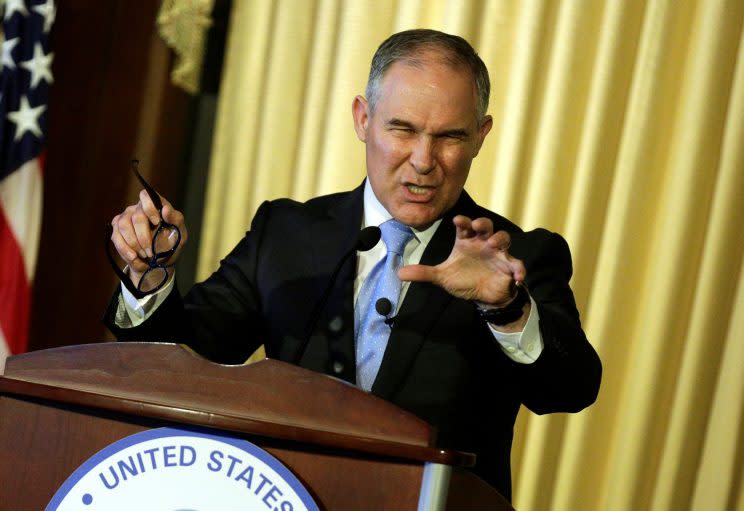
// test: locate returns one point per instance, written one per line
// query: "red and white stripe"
(20, 228)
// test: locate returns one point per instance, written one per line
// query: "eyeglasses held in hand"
(165, 241)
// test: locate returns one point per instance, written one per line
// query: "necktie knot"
(395, 235)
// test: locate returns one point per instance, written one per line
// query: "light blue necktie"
(382, 282)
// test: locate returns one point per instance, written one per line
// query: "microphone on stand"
(366, 239)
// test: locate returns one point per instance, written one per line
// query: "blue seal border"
(167, 432)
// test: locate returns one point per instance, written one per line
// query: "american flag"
(24, 90)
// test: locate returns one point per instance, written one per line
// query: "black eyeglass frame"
(159, 259)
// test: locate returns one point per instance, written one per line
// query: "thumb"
(418, 273)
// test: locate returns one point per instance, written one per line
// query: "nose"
(422, 155)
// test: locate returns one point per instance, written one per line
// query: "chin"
(419, 220)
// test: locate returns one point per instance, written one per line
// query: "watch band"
(509, 313)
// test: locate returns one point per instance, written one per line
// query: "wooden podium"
(351, 450)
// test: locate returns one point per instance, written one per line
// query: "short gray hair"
(406, 46)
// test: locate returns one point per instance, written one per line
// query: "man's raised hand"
(479, 268)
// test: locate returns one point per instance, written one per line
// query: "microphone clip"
(384, 307)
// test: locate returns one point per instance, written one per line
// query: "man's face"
(421, 139)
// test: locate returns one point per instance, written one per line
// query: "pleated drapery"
(619, 124)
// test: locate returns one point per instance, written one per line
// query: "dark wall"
(111, 100)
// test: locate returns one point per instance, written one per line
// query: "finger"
(500, 240)
(123, 247)
(418, 273)
(149, 208)
(483, 227)
(143, 230)
(126, 229)
(173, 216)
(138, 267)
(513, 267)
(519, 272)
(463, 227)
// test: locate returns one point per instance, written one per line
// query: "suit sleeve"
(567, 374)
(219, 318)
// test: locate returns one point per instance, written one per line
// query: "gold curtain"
(618, 123)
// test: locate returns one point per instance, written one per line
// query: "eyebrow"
(400, 123)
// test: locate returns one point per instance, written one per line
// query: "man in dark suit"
(483, 320)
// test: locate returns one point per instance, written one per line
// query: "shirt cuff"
(523, 347)
(133, 312)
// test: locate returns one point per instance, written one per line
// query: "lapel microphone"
(365, 240)
(384, 307)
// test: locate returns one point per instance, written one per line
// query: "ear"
(485, 127)
(359, 110)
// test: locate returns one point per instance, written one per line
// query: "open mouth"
(416, 193)
(418, 190)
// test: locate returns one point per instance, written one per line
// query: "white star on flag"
(8, 47)
(49, 11)
(40, 66)
(12, 6)
(26, 119)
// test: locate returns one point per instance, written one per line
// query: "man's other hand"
(134, 228)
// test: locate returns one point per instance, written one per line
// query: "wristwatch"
(510, 312)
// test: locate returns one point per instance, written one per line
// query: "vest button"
(336, 324)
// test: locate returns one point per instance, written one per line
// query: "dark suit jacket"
(442, 362)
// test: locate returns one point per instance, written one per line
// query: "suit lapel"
(333, 234)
